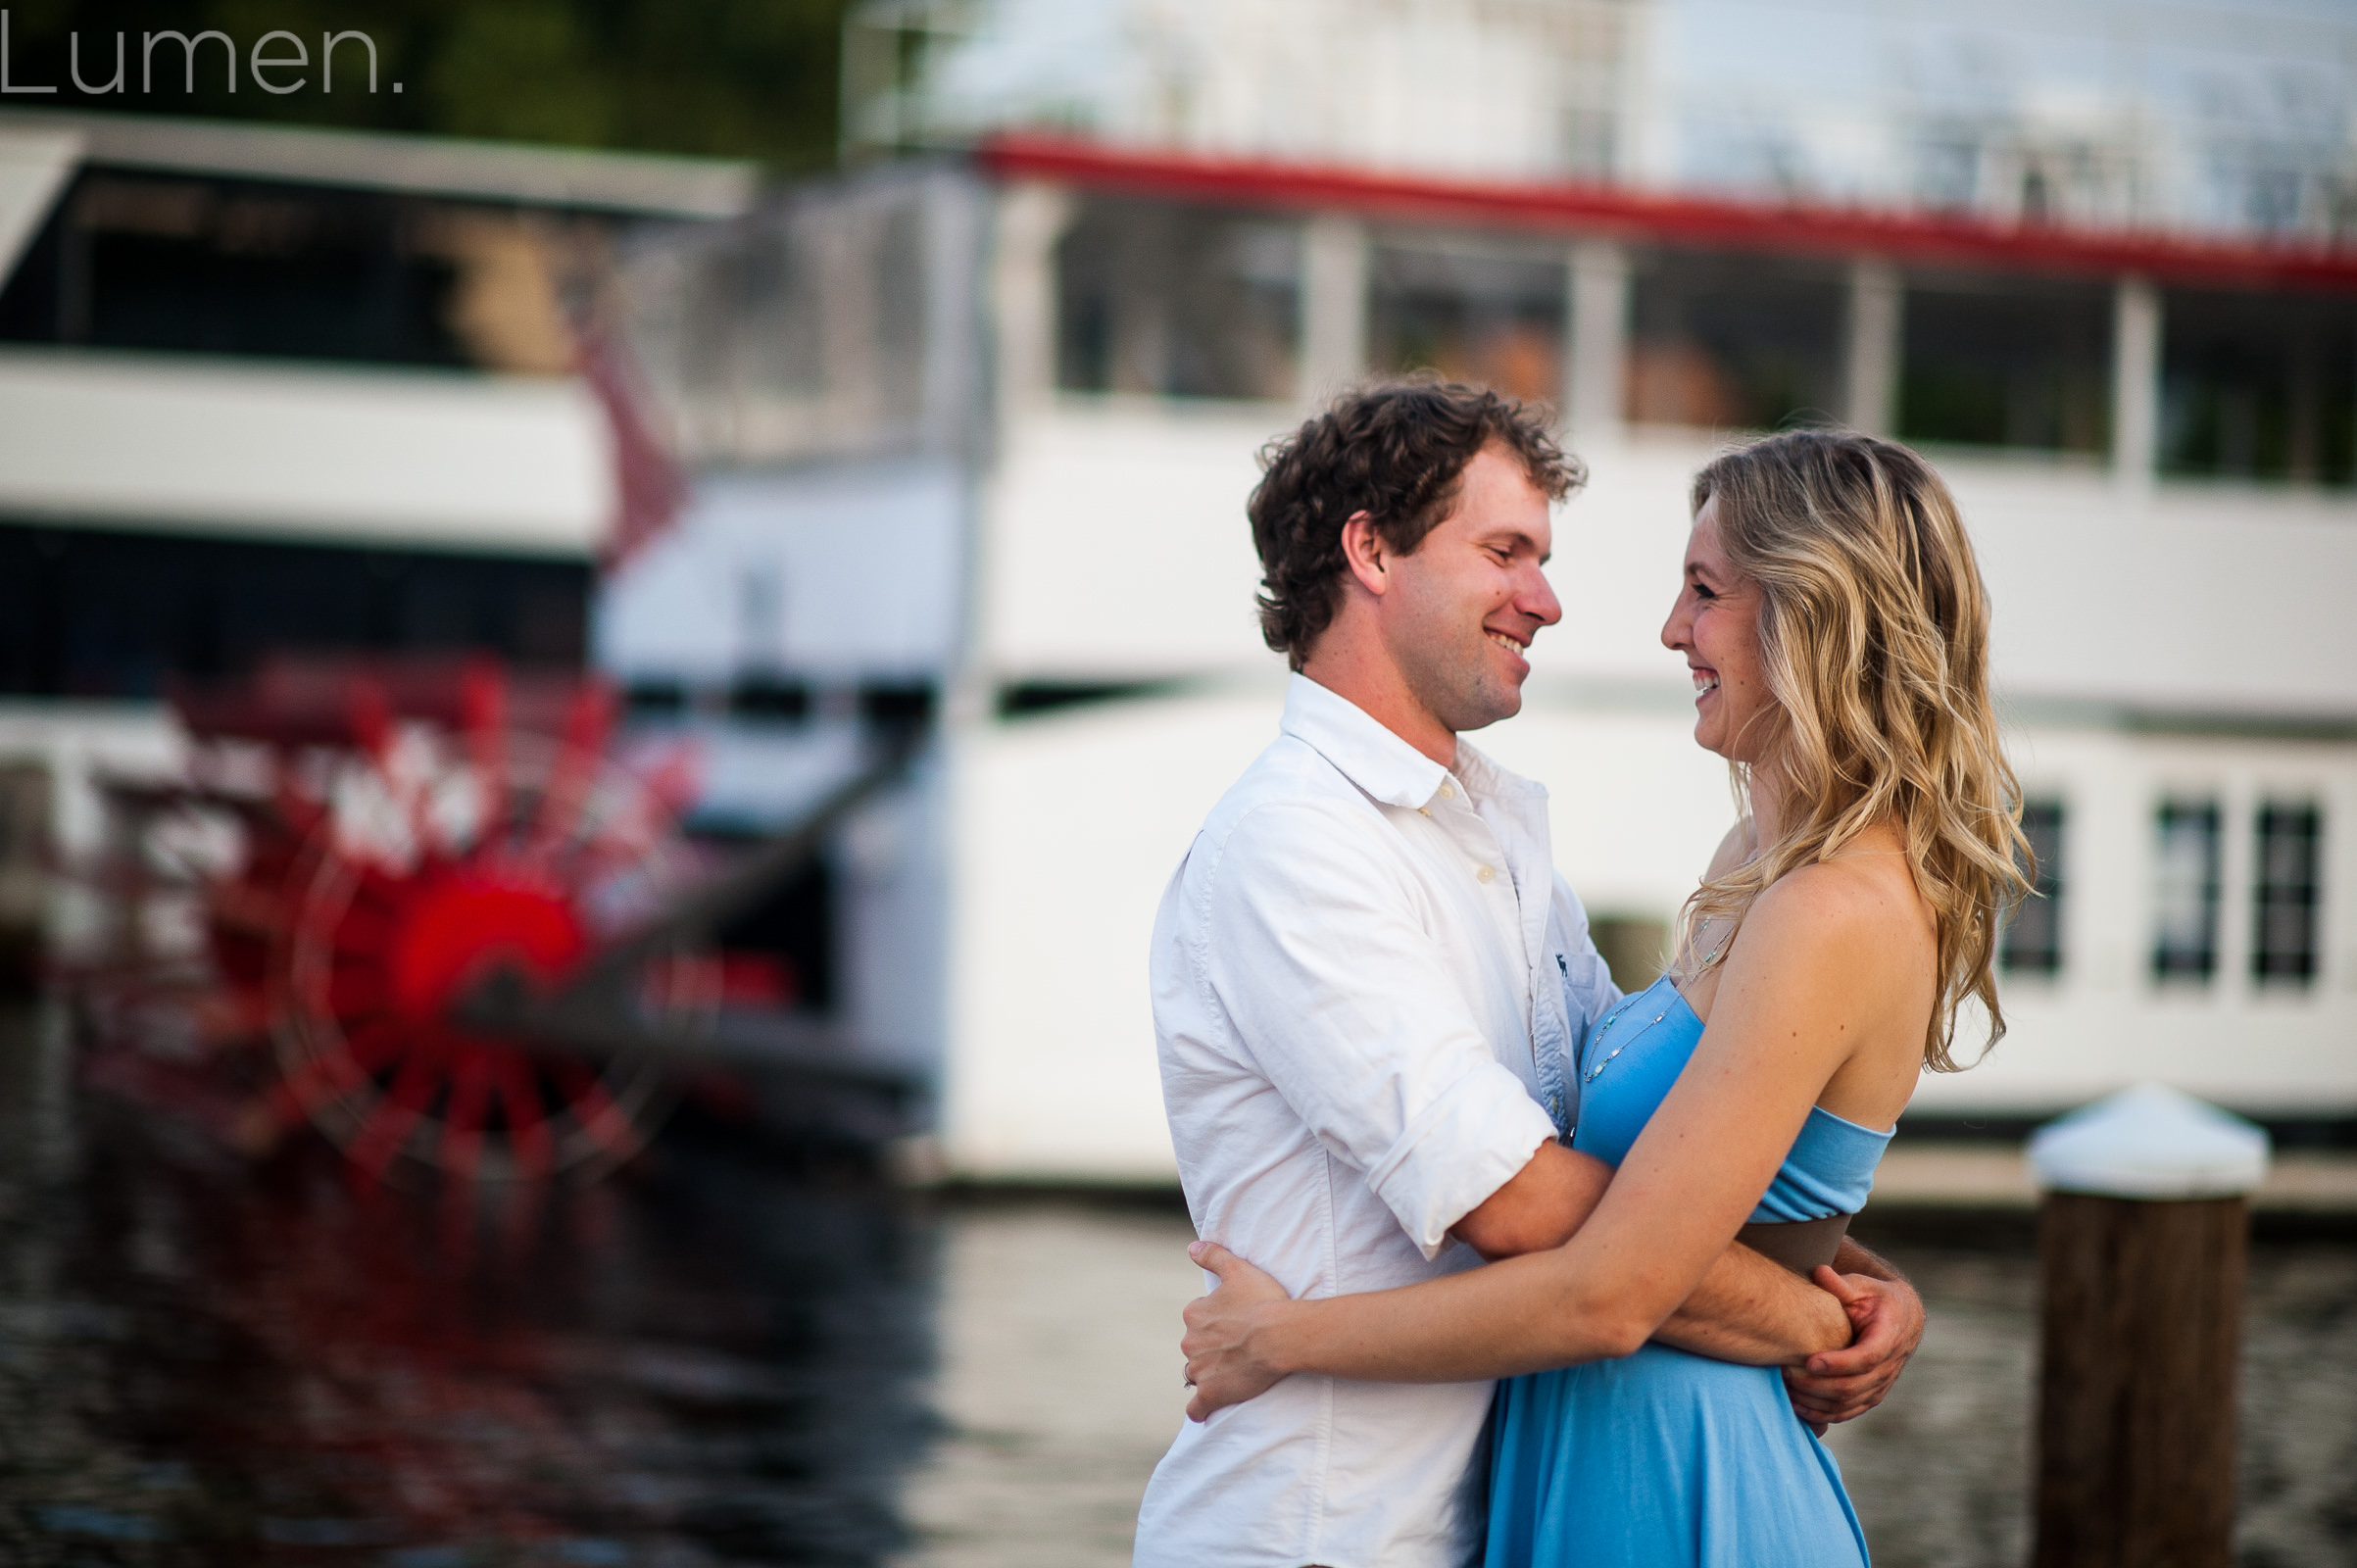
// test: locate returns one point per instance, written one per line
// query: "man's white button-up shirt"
(1367, 982)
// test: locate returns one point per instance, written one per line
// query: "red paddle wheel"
(407, 841)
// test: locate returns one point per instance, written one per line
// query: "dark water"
(718, 1357)
(1941, 1473)
(712, 1359)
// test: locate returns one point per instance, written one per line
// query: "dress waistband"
(1799, 1245)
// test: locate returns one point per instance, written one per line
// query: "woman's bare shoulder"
(1856, 906)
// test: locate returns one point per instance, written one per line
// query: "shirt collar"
(1378, 761)
(1359, 746)
(1486, 778)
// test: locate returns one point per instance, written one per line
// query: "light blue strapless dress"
(1663, 1460)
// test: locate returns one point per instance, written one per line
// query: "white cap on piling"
(2150, 1142)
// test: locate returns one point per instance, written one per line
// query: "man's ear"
(1365, 553)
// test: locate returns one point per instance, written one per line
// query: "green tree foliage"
(741, 79)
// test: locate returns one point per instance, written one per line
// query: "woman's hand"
(1885, 1318)
(1222, 1366)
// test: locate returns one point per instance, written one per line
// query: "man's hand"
(1885, 1318)
(1222, 1366)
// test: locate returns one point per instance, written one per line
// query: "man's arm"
(1347, 1012)
(1540, 1205)
(1747, 1308)
(1757, 1312)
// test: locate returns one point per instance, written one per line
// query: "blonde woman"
(1834, 620)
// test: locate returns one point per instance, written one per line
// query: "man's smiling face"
(1466, 602)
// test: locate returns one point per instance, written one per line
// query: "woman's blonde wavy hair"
(1874, 633)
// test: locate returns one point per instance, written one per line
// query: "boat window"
(2184, 945)
(1487, 319)
(2033, 941)
(1731, 342)
(2258, 386)
(1181, 301)
(2009, 362)
(2282, 948)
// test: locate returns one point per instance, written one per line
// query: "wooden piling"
(2142, 1331)
(2142, 1249)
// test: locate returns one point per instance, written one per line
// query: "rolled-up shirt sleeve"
(1311, 948)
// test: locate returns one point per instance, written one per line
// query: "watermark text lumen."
(269, 63)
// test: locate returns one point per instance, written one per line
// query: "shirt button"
(1484, 874)
(1424, 810)
(1447, 792)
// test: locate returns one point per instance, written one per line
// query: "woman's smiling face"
(1715, 625)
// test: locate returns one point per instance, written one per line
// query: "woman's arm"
(1812, 978)
(1221, 1346)
(1747, 1308)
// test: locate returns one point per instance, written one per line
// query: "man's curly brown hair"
(1395, 451)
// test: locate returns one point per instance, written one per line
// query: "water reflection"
(1060, 1381)
(208, 1362)
(1940, 1474)
(713, 1360)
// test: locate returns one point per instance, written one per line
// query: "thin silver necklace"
(1613, 1017)
(1709, 958)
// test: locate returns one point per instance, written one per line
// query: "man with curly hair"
(1369, 980)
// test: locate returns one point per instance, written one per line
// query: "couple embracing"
(1429, 1146)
